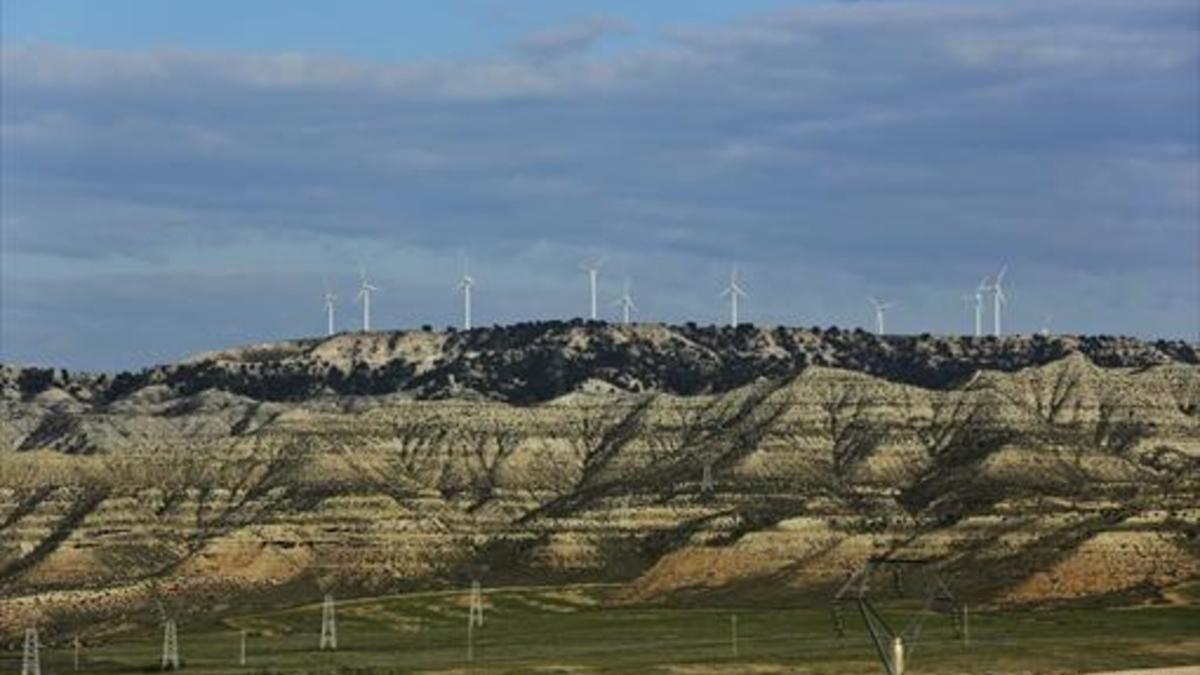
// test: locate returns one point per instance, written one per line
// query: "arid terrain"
(695, 466)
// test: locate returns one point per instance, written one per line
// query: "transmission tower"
(892, 646)
(475, 615)
(170, 648)
(75, 653)
(242, 651)
(328, 623)
(706, 480)
(31, 662)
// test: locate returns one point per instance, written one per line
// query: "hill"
(691, 464)
(530, 363)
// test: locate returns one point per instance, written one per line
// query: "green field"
(576, 629)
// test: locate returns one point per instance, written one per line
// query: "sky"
(180, 177)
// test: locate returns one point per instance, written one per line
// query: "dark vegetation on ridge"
(531, 362)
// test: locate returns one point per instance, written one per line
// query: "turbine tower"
(733, 291)
(364, 296)
(593, 270)
(880, 308)
(465, 285)
(998, 299)
(329, 300)
(625, 302)
(976, 300)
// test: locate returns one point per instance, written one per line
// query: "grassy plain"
(576, 629)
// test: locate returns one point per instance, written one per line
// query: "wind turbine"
(734, 291)
(998, 299)
(880, 308)
(593, 271)
(625, 302)
(364, 295)
(329, 300)
(976, 300)
(465, 285)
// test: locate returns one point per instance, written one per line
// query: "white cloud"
(572, 38)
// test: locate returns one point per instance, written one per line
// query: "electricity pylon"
(476, 609)
(328, 623)
(891, 645)
(31, 661)
(170, 648)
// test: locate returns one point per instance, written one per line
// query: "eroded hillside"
(1055, 482)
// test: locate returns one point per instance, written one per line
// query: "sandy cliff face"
(1052, 482)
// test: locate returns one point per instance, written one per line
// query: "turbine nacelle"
(734, 288)
(999, 299)
(880, 306)
(467, 280)
(593, 266)
(365, 288)
(733, 291)
(625, 302)
(626, 298)
(465, 284)
(995, 287)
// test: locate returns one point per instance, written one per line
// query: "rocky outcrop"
(1051, 482)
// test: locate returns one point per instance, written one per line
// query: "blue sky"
(374, 29)
(184, 176)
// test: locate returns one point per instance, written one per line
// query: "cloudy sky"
(184, 176)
